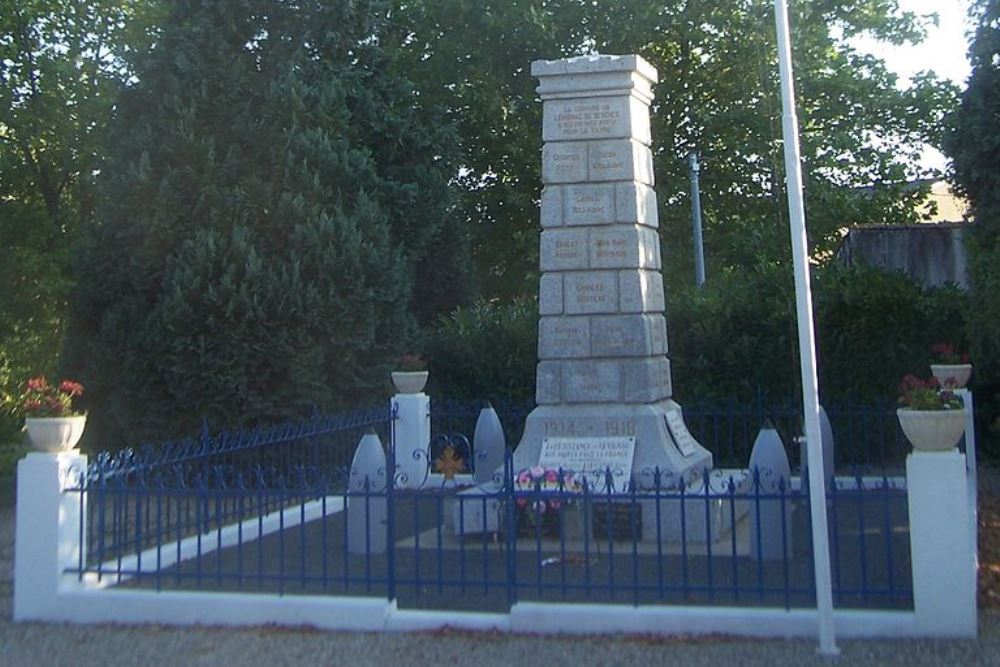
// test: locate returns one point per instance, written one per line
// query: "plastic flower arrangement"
(551, 485)
(917, 394)
(947, 354)
(41, 399)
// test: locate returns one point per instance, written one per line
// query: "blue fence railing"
(203, 484)
(278, 511)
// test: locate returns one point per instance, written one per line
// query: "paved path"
(41, 644)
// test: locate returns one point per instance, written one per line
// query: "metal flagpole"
(807, 343)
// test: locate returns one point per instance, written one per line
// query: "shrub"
(737, 336)
(734, 338)
(874, 326)
(485, 351)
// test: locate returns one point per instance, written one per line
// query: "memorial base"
(655, 445)
(705, 517)
(475, 511)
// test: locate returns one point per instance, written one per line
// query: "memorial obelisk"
(603, 371)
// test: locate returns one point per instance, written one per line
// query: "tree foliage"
(974, 145)
(718, 95)
(275, 210)
(61, 63)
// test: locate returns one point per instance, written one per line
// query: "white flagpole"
(807, 343)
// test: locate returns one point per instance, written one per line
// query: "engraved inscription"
(563, 249)
(614, 248)
(591, 456)
(590, 204)
(557, 428)
(611, 161)
(620, 336)
(563, 337)
(611, 427)
(567, 249)
(620, 427)
(591, 293)
(590, 118)
(624, 247)
(585, 119)
(564, 162)
(591, 381)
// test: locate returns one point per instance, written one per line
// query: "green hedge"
(486, 351)
(736, 337)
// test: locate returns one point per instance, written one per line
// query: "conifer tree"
(276, 200)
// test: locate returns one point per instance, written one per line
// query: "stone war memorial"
(603, 388)
(609, 516)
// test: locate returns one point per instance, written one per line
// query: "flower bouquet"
(932, 418)
(545, 502)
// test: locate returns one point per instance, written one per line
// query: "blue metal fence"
(866, 434)
(142, 497)
(273, 510)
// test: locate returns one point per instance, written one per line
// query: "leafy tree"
(974, 146)
(276, 201)
(718, 95)
(60, 66)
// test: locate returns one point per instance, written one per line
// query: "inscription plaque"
(682, 436)
(590, 458)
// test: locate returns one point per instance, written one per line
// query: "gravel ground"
(38, 644)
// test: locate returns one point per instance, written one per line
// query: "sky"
(943, 52)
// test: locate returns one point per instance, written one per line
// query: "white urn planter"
(55, 434)
(952, 376)
(409, 382)
(932, 430)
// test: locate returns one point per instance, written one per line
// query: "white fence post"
(972, 467)
(47, 534)
(944, 572)
(413, 437)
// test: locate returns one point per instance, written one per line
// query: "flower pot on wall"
(409, 382)
(55, 434)
(932, 430)
(952, 376)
